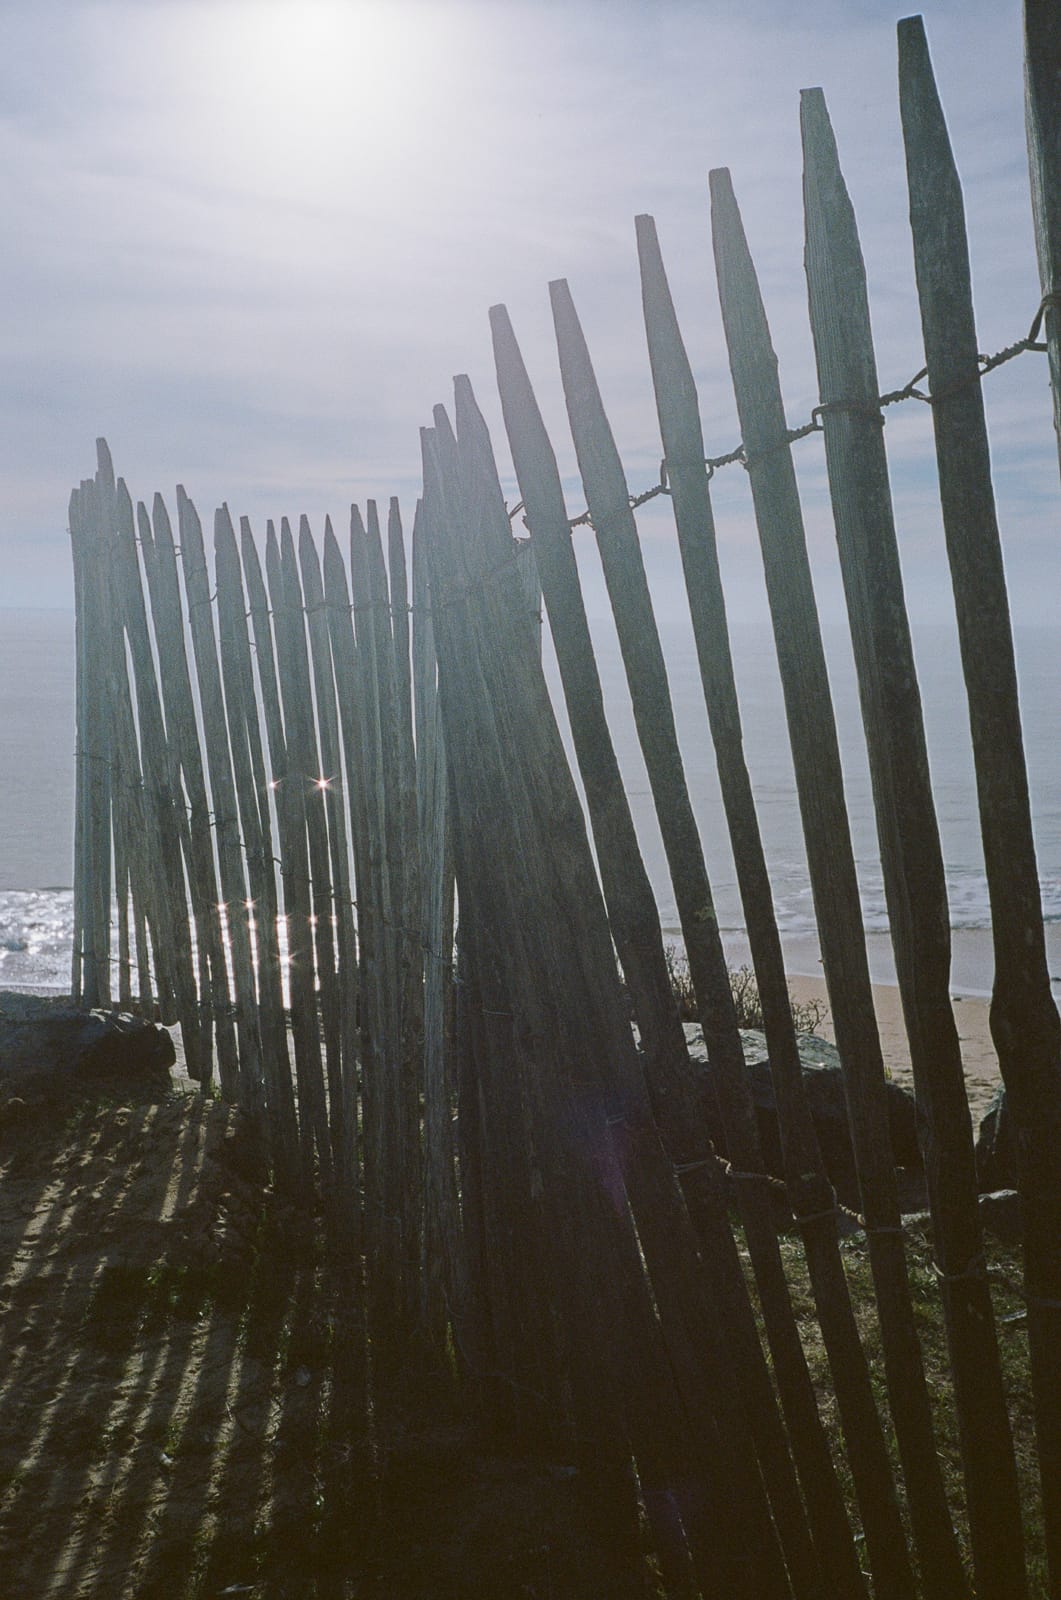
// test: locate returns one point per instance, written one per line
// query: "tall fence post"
(1042, 108)
(911, 856)
(834, 882)
(1024, 1019)
(809, 1190)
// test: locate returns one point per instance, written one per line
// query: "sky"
(251, 243)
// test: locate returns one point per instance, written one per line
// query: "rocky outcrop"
(996, 1160)
(51, 1051)
(823, 1083)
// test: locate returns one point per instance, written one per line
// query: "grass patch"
(1004, 1274)
(806, 1016)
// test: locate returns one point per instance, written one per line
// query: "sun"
(309, 94)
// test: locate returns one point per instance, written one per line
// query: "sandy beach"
(971, 1012)
(972, 971)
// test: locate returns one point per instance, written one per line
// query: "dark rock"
(1000, 1214)
(996, 1163)
(50, 1050)
(823, 1082)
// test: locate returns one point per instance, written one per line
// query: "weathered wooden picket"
(351, 863)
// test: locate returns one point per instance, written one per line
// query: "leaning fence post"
(253, 800)
(320, 656)
(617, 539)
(1024, 1020)
(1042, 109)
(223, 794)
(911, 856)
(809, 1190)
(163, 802)
(830, 858)
(294, 862)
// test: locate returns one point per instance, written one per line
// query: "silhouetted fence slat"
(1042, 102)
(911, 856)
(834, 884)
(1024, 1020)
(808, 1186)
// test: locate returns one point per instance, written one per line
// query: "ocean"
(37, 786)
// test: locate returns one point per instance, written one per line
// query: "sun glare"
(310, 94)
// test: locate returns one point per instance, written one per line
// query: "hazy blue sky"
(252, 242)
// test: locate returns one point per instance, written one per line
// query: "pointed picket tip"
(223, 529)
(814, 120)
(835, 267)
(519, 404)
(513, 379)
(471, 424)
(677, 402)
(648, 249)
(160, 517)
(395, 534)
(104, 463)
(310, 563)
(125, 501)
(563, 302)
(444, 435)
(501, 326)
(272, 560)
(252, 565)
(307, 545)
(188, 518)
(356, 523)
(334, 565)
(918, 91)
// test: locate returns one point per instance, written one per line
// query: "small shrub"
(807, 1016)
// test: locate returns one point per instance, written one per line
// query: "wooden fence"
(288, 816)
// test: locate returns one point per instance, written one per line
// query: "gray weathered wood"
(95, 756)
(164, 803)
(1024, 1020)
(442, 1270)
(834, 883)
(252, 798)
(631, 906)
(81, 880)
(582, 988)
(616, 530)
(294, 860)
(307, 893)
(809, 1190)
(160, 566)
(137, 842)
(1042, 109)
(344, 661)
(911, 856)
(412, 968)
(344, 1137)
(223, 796)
